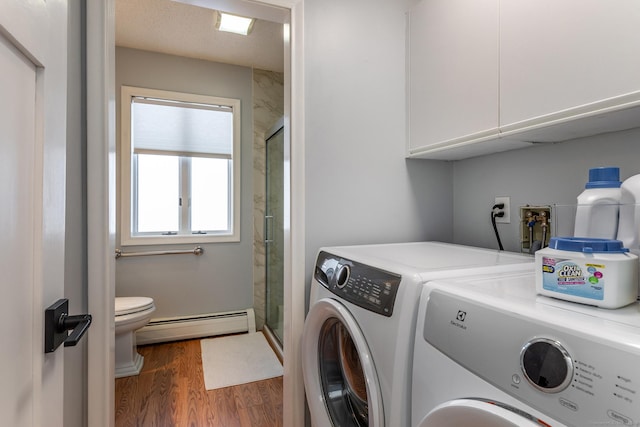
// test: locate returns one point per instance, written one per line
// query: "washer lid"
(129, 305)
(478, 413)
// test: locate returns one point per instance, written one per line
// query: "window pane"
(209, 194)
(158, 193)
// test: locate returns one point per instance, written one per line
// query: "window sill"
(178, 240)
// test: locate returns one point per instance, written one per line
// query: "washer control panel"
(571, 366)
(367, 287)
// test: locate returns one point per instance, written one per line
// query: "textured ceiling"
(180, 29)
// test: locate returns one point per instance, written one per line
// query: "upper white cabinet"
(452, 73)
(564, 58)
(491, 75)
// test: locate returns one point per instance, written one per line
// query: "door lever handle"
(78, 324)
(57, 323)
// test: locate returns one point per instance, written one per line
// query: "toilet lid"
(129, 305)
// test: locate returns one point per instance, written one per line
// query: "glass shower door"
(274, 233)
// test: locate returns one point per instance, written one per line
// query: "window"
(180, 167)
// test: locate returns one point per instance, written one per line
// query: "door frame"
(101, 204)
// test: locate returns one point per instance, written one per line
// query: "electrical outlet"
(506, 219)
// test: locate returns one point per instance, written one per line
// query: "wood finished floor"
(170, 392)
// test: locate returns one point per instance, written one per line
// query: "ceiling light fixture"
(234, 23)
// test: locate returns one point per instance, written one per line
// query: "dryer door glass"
(343, 380)
(340, 377)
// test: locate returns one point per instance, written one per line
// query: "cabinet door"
(558, 58)
(452, 73)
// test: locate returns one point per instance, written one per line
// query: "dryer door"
(478, 413)
(339, 373)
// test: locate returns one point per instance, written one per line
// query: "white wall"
(359, 187)
(221, 279)
(544, 174)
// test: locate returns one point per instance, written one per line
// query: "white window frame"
(127, 165)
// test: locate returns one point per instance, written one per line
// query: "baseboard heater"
(202, 325)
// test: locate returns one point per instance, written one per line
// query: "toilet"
(131, 314)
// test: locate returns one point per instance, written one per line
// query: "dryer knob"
(546, 365)
(342, 276)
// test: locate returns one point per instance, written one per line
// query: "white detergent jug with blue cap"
(598, 205)
(598, 272)
(629, 225)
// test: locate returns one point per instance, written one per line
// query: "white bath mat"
(238, 359)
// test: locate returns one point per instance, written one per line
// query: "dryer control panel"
(575, 367)
(365, 286)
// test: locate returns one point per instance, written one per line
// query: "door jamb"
(100, 56)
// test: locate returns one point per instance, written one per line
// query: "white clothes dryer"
(358, 336)
(490, 352)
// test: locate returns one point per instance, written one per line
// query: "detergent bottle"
(629, 223)
(598, 205)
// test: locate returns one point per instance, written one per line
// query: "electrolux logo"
(460, 318)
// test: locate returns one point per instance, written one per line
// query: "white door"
(33, 57)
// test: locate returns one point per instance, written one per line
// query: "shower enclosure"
(274, 232)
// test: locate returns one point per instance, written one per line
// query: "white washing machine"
(490, 352)
(359, 332)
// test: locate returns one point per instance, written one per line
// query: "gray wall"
(359, 187)
(220, 279)
(544, 174)
(75, 269)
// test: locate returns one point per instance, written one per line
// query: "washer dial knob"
(546, 365)
(343, 273)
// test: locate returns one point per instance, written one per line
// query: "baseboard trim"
(188, 327)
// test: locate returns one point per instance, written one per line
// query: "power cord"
(497, 212)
